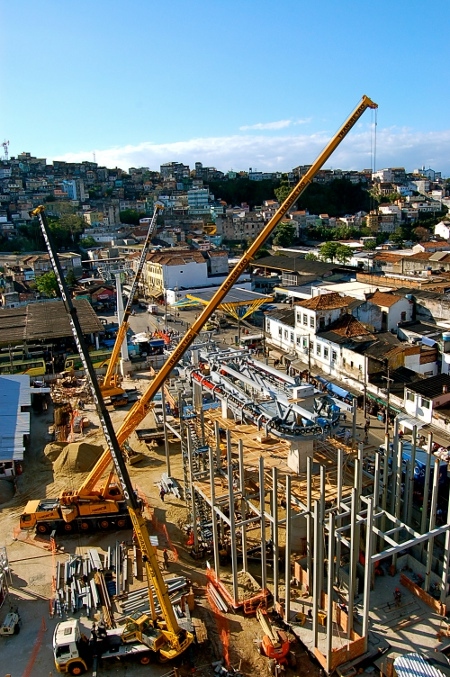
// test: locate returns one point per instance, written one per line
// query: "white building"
(442, 229)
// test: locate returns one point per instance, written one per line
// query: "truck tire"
(145, 660)
(103, 524)
(122, 523)
(77, 669)
(42, 528)
(83, 525)
(68, 527)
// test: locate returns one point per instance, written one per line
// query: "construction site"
(229, 520)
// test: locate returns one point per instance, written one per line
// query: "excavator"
(142, 406)
(110, 385)
(160, 632)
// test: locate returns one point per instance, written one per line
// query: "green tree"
(311, 257)
(47, 285)
(285, 234)
(284, 189)
(261, 253)
(328, 251)
(71, 278)
(370, 245)
(131, 217)
(88, 241)
(343, 253)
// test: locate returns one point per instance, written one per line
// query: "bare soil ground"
(33, 565)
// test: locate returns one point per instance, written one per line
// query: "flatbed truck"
(74, 654)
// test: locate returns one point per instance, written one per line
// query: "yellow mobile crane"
(111, 383)
(140, 409)
(84, 502)
(161, 634)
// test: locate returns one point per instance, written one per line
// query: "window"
(403, 317)
(305, 319)
(292, 337)
(334, 355)
(280, 331)
(326, 353)
(428, 373)
(311, 321)
(299, 340)
(305, 342)
(286, 333)
(318, 349)
(409, 396)
(351, 365)
(425, 403)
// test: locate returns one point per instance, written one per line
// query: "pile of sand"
(77, 457)
(53, 450)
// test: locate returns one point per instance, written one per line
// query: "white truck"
(74, 654)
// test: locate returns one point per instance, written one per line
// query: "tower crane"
(111, 382)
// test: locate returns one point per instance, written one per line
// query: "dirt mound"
(6, 491)
(77, 457)
(53, 450)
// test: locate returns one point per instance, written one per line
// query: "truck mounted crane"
(162, 634)
(141, 407)
(34, 513)
(111, 382)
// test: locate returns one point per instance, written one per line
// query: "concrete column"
(309, 522)
(287, 575)
(234, 563)
(262, 509)
(213, 514)
(330, 591)
(430, 545)
(367, 572)
(446, 561)
(398, 493)
(243, 504)
(376, 479)
(354, 556)
(217, 436)
(340, 468)
(316, 575)
(191, 485)
(394, 466)
(426, 486)
(411, 477)
(275, 531)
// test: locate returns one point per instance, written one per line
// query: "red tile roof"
(385, 299)
(326, 302)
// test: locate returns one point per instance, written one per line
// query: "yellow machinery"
(139, 410)
(88, 493)
(111, 383)
(172, 640)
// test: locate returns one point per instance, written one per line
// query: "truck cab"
(70, 648)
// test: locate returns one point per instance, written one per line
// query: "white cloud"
(395, 147)
(280, 124)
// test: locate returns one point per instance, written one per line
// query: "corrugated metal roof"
(414, 665)
(14, 422)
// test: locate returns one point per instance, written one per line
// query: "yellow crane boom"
(139, 410)
(110, 385)
(173, 640)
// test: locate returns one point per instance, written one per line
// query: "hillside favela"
(224, 419)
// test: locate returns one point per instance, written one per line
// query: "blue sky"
(233, 84)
